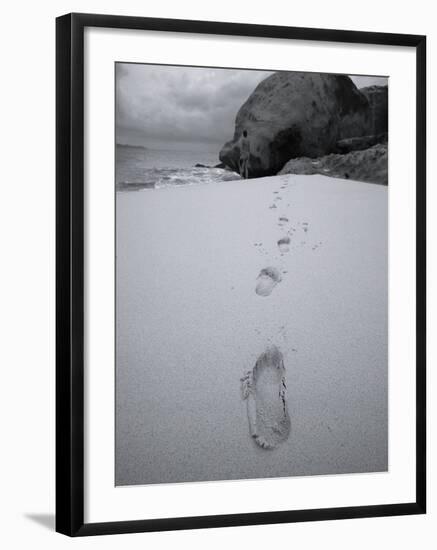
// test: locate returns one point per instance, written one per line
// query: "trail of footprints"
(270, 276)
(264, 387)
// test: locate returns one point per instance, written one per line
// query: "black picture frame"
(70, 273)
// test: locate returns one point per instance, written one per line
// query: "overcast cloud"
(184, 107)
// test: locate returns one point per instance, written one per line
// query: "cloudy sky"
(186, 108)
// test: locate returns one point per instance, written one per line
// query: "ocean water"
(138, 168)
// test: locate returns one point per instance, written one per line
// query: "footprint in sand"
(284, 244)
(264, 389)
(266, 281)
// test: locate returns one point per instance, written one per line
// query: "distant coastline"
(131, 146)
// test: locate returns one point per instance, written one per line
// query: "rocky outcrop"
(293, 114)
(359, 143)
(200, 165)
(377, 96)
(369, 165)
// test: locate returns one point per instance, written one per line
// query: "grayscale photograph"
(251, 246)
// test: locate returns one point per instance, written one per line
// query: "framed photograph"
(240, 274)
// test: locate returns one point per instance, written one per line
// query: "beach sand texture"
(190, 324)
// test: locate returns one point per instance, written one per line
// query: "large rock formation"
(377, 96)
(292, 115)
(369, 165)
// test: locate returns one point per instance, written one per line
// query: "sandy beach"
(190, 324)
